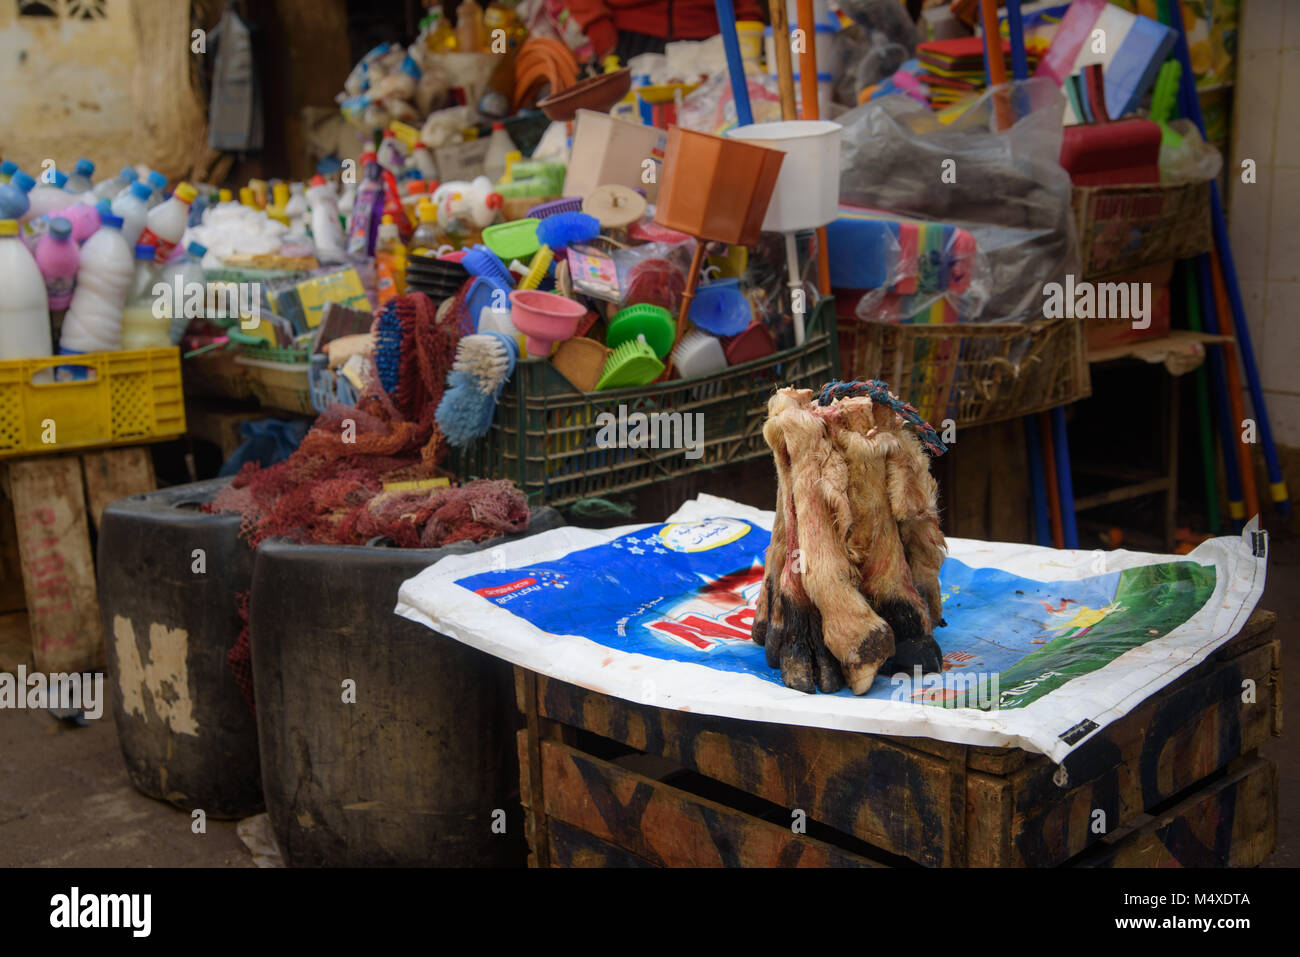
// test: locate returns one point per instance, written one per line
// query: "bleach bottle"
(132, 208)
(58, 257)
(79, 182)
(165, 224)
(15, 196)
(24, 307)
(94, 319)
(110, 188)
(46, 198)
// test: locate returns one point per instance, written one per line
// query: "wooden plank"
(15, 642)
(58, 573)
(115, 473)
(574, 847)
(1165, 746)
(12, 597)
(531, 791)
(880, 792)
(667, 826)
(1230, 823)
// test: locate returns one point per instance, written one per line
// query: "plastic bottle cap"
(157, 180)
(318, 180)
(185, 193)
(141, 190)
(8, 227)
(143, 251)
(129, 174)
(103, 207)
(420, 145)
(369, 156)
(60, 228)
(60, 178)
(23, 181)
(197, 250)
(84, 167)
(109, 219)
(8, 168)
(498, 125)
(225, 195)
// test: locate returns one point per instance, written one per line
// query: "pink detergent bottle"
(58, 257)
(84, 219)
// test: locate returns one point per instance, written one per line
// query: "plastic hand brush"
(483, 364)
(481, 261)
(632, 364)
(652, 324)
(537, 268)
(564, 229)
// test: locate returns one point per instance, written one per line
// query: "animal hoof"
(797, 668)
(758, 633)
(830, 678)
(922, 652)
(776, 638)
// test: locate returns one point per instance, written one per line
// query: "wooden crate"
(1178, 780)
(47, 570)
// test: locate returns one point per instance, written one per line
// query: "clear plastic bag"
(1190, 161)
(1006, 188)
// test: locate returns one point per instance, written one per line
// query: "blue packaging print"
(688, 591)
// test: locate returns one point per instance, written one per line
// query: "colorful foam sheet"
(1042, 647)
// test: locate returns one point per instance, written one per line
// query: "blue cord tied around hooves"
(879, 392)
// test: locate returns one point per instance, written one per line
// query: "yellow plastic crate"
(127, 398)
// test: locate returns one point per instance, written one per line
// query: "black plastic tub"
(383, 743)
(169, 577)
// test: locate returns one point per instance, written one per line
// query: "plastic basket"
(127, 398)
(545, 434)
(1122, 228)
(279, 385)
(971, 373)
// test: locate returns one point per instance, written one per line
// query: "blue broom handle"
(1191, 107)
(735, 65)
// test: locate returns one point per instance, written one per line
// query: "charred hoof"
(919, 652)
(797, 668)
(830, 678)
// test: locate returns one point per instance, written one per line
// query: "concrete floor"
(65, 799)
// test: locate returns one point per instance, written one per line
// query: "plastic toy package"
(898, 157)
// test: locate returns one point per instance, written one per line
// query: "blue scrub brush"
(481, 261)
(565, 229)
(484, 363)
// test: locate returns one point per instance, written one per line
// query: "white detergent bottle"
(109, 188)
(46, 198)
(94, 318)
(158, 183)
(24, 306)
(79, 182)
(132, 207)
(326, 231)
(166, 222)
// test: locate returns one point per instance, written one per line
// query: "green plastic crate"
(544, 435)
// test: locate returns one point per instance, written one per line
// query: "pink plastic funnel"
(544, 318)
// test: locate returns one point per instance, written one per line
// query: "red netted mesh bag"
(331, 489)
